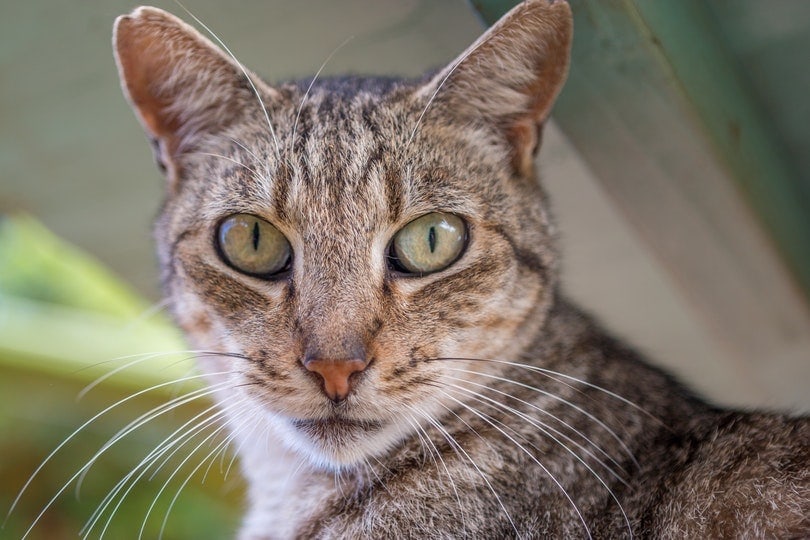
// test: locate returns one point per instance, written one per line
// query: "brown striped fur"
(491, 407)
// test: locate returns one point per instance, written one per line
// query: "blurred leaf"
(37, 265)
(63, 313)
(65, 320)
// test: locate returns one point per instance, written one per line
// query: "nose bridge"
(336, 324)
(336, 308)
(338, 289)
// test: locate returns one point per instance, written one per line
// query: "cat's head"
(345, 244)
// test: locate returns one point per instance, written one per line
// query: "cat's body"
(371, 398)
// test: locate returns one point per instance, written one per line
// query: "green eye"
(253, 246)
(429, 243)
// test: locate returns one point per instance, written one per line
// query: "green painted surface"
(752, 106)
(746, 138)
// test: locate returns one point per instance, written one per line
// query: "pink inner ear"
(177, 81)
(137, 46)
(524, 138)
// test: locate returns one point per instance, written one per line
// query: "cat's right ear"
(180, 84)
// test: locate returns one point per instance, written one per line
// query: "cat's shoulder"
(748, 475)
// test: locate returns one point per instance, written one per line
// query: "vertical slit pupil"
(256, 236)
(432, 239)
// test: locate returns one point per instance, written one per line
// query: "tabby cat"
(373, 261)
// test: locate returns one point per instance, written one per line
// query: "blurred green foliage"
(65, 321)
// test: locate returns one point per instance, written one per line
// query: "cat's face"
(341, 243)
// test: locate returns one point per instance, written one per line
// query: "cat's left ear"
(511, 76)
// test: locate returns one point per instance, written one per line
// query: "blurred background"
(676, 161)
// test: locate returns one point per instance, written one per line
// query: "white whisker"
(238, 449)
(244, 72)
(172, 475)
(562, 400)
(444, 80)
(254, 172)
(147, 314)
(145, 418)
(551, 428)
(543, 428)
(525, 451)
(142, 357)
(309, 88)
(244, 147)
(72, 435)
(458, 448)
(551, 374)
(176, 440)
(141, 469)
(431, 448)
(190, 475)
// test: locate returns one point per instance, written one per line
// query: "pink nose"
(335, 375)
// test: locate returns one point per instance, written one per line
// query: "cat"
(373, 261)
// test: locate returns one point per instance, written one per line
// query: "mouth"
(335, 426)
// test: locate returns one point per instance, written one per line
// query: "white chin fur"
(339, 448)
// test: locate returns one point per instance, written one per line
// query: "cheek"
(218, 315)
(494, 319)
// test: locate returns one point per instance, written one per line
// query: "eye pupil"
(428, 244)
(256, 236)
(253, 246)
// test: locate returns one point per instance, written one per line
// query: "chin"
(336, 443)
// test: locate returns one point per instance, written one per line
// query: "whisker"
(254, 172)
(501, 406)
(72, 435)
(549, 373)
(529, 454)
(187, 436)
(147, 314)
(555, 397)
(236, 425)
(238, 449)
(458, 448)
(259, 162)
(172, 475)
(374, 472)
(309, 88)
(452, 70)
(144, 357)
(434, 453)
(131, 479)
(243, 147)
(151, 356)
(147, 417)
(146, 462)
(223, 451)
(546, 426)
(190, 475)
(228, 422)
(292, 473)
(172, 441)
(244, 72)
